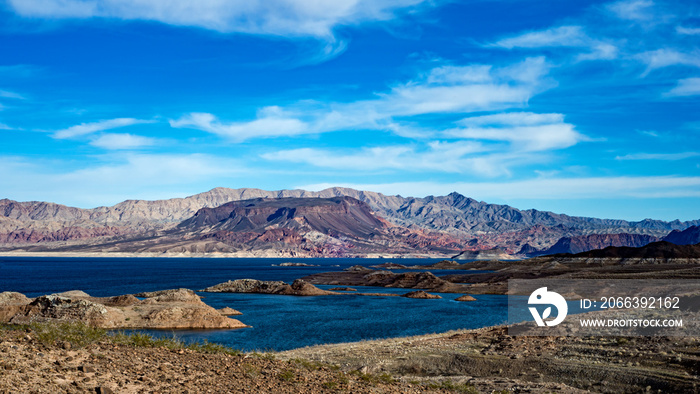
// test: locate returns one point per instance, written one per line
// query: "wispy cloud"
(122, 141)
(658, 156)
(89, 128)
(441, 90)
(524, 130)
(634, 10)
(562, 36)
(11, 95)
(471, 150)
(688, 30)
(272, 122)
(686, 87)
(306, 18)
(650, 133)
(666, 57)
(115, 177)
(436, 156)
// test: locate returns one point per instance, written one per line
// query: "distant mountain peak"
(689, 236)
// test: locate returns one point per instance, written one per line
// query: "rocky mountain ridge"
(583, 243)
(477, 225)
(689, 236)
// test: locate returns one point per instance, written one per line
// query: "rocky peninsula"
(380, 278)
(167, 309)
(297, 288)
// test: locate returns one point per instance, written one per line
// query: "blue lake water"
(278, 322)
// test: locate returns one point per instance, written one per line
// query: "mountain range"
(332, 222)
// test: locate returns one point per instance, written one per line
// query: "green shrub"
(78, 334)
(287, 375)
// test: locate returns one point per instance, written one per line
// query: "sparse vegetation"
(250, 371)
(287, 375)
(268, 355)
(139, 339)
(309, 365)
(456, 387)
(383, 378)
(331, 385)
(77, 334)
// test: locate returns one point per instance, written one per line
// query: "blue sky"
(585, 108)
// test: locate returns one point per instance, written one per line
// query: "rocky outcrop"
(445, 264)
(57, 308)
(229, 312)
(298, 288)
(357, 268)
(342, 289)
(407, 280)
(13, 298)
(171, 309)
(421, 295)
(465, 298)
(173, 295)
(689, 236)
(12, 303)
(288, 264)
(389, 266)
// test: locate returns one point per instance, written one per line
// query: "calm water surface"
(278, 322)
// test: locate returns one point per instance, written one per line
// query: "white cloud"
(542, 188)
(438, 156)
(563, 36)
(442, 90)
(122, 141)
(89, 128)
(270, 17)
(513, 119)
(650, 133)
(523, 130)
(635, 10)
(658, 156)
(474, 151)
(113, 178)
(686, 87)
(600, 51)
(688, 30)
(666, 57)
(465, 89)
(3, 126)
(11, 95)
(268, 125)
